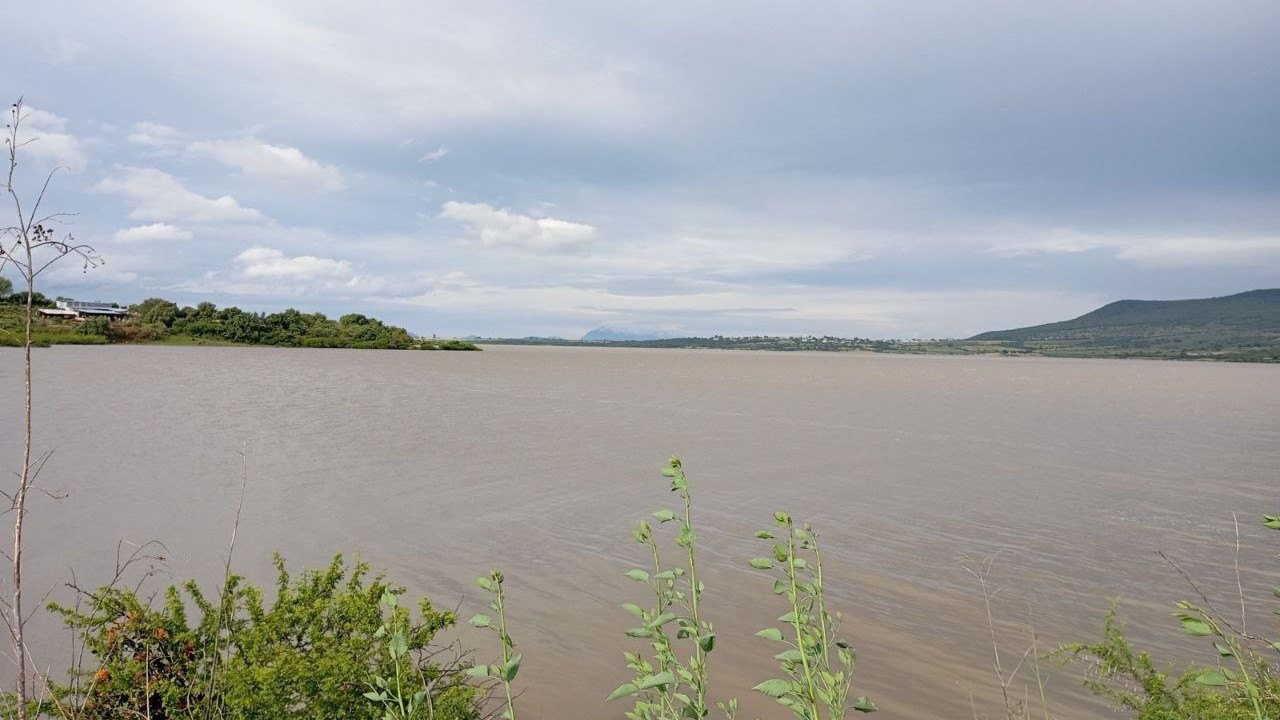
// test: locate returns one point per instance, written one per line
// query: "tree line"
(155, 318)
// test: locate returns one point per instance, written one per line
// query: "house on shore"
(83, 310)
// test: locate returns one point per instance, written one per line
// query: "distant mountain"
(1249, 321)
(604, 333)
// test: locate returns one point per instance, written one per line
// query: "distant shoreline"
(900, 347)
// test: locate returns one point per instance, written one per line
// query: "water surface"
(437, 466)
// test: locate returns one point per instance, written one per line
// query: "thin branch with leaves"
(31, 245)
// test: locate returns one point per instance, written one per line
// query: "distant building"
(82, 309)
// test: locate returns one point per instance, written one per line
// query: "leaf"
(1196, 626)
(376, 697)
(479, 671)
(480, 621)
(788, 618)
(665, 575)
(765, 535)
(791, 655)
(511, 667)
(399, 644)
(665, 515)
(685, 538)
(623, 690)
(639, 633)
(864, 704)
(782, 518)
(707, 642)
(651, 681)
(762, 563)
(634, 609)
(1271, 521)
(638, 575)
(662, 619)
(668, 471)
(774, 688)
(773, 634)
(485, 583)
(1223, 650)
(1213, 678)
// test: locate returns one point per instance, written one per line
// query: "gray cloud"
(864, 168)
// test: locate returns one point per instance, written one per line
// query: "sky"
(862, 168)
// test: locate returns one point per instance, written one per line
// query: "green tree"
(156, 310)
(6, 286)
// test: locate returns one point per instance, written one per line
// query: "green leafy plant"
(508, 667)
(667, 684)
(309, 653)
(815, 686)
(393, 693)
(1241, 685)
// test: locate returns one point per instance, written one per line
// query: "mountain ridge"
(1254, 310)
(1242, 326)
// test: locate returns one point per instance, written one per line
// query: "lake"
(438, 466)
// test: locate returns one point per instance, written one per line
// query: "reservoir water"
(438, 466)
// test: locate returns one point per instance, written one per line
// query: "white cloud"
(63, 51)
(152, 232)
(48, 140)
(502, 227)
(155, 136)
(274, 163)
(434, 155)
(1053, 242)
(1199, 251)
(781, 309)
(157, 195)
(263, 262)
(107, 276)
(265, 271)
(1148, 251)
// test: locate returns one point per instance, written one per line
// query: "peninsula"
(159, 321)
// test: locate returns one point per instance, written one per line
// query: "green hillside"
(1236, 327)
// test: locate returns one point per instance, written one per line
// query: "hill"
(606, 333)
(1245, 326)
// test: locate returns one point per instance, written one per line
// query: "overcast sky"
(882, 168)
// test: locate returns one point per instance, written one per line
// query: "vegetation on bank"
(161, 321)
(1222, 351)
(311, 652)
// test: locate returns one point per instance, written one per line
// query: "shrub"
(1240, 685)
(308, 654)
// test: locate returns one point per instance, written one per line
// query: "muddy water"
(437, 466)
